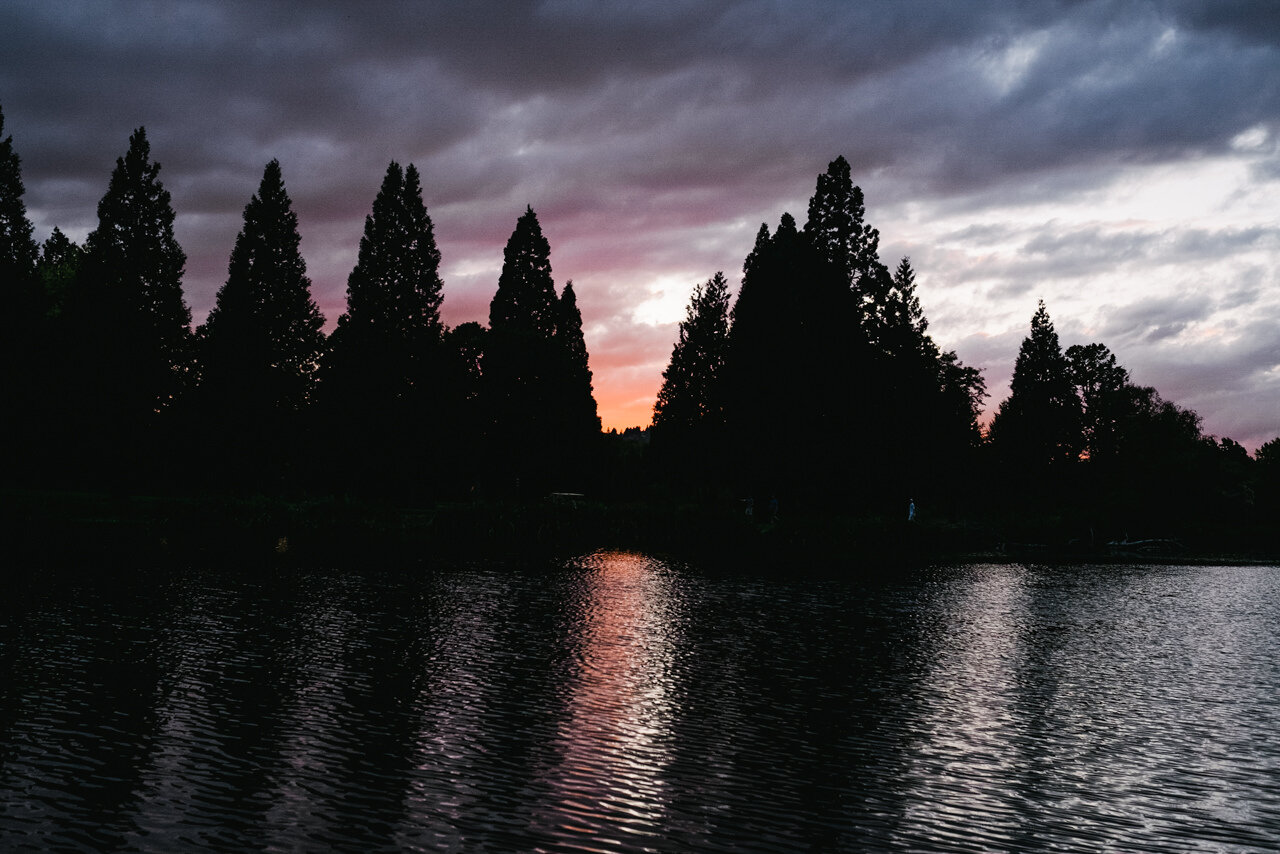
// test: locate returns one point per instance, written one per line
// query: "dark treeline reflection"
(817, 389)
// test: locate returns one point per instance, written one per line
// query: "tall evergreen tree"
(22, 319)
(134, 265)
(1038, 425)
(18, 250)
(123, 349)
(692, 393)
(394, 292)
(382, 376)
(689, 415)
(788, 371)
(582, 419)
(58, 270)
(525, 302)
(525, 366)
(262, 341)
(836, 225)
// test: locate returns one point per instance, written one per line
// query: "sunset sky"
(1120, 160)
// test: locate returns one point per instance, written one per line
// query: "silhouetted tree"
(262, 341)
(837, 229)
(1038, 426)
(18, 250)
(689, 415)
(581, 417)
(525, 302)
(1100, 383)
(22, 320)
(125, 339)
(523, 363)
(793, 343)
(134, 256)
(1267, 477)
(58, 270)
(382, 370)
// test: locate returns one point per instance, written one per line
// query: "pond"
(617, 702)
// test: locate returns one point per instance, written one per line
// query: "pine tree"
(18, 251)
(689, 415)
(582, 420)
(836, 225)
(525, 302)
(524, 365)
(262, 341)
(58, 270)
(22, 321)
(1038, 425)
(385, 342)
(133, 269)
(788, 380)
(692, 393)
(394, 292)
(383, 369)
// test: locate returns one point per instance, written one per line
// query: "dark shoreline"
(70, 529)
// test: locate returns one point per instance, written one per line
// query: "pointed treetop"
(264, 331)
(395, 287)
(18, 250)
(526, 297)
(761, 245)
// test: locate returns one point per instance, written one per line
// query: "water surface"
(621, 703)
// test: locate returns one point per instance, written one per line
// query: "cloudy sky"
(1119, 159)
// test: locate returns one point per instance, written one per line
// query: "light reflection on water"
(620, 703)
(612, 744)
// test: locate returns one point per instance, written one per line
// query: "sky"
(1118, 159)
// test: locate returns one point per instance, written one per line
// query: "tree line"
(818, 386)
(109, 384)
(821, 384)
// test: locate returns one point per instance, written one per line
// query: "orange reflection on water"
(614, 743)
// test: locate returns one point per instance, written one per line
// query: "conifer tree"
(689, 415)
(133, 270)
(525, 302)
(18, 251)
(58, 270)
(788, 380)
(383, 369)
(692, 393)
(22, 319)
(263, 337)
(1038, 425)
(394, 292)
(582, 420)
(524, 364)
(836, 225)
(386, 339)
(262, 341)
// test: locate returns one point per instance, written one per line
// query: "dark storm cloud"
(652, 138)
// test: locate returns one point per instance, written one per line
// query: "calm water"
(622, 704)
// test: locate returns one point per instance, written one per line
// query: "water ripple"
(617, 703)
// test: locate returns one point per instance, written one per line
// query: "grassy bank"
(93, 528)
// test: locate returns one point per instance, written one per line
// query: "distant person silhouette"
(911, 510)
